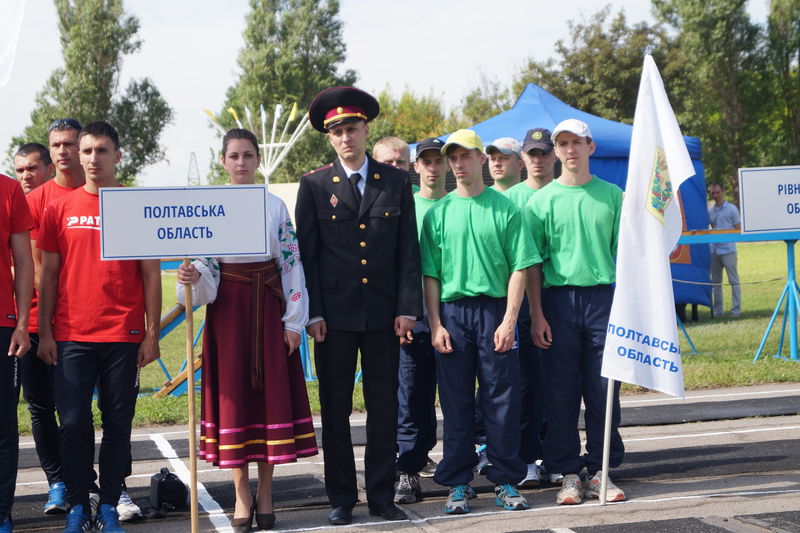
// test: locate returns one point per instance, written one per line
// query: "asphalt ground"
(720, 460)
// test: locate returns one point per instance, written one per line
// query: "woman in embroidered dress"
(254, 404)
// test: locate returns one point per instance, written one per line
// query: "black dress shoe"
(387, 511)
(340, 516)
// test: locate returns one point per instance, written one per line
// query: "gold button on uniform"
(364, 281)
(333, 217)
(376, 176)
(386, 214)
(363, 244)
(362, 226)
(336, 179)
(363, 261)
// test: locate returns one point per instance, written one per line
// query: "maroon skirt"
(242, 423)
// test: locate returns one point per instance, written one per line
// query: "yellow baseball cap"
(467, 139)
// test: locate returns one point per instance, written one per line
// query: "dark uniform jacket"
(362, 264)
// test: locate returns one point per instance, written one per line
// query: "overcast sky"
(189, 50)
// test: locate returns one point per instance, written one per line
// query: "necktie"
(354, 179)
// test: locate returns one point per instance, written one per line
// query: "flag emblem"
(660, 190)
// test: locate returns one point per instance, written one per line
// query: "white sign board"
(158, 222)
(770, 199)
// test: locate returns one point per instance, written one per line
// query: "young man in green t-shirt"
(539, 159)
(575, 224)
(505, 163)
(474, 258)
(416, 394)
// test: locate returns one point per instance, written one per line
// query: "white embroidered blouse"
(286, 252)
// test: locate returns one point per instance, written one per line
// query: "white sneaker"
(592, 489)
(571, 491)
(531, 478)
(128, 511)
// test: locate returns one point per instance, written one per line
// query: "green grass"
(726, 345)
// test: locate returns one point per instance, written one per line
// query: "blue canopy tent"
(538, 108)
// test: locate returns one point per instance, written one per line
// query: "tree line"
(733, 83)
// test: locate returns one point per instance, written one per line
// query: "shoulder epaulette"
(323, 167)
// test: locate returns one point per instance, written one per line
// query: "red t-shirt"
(38, 199)
(98, 301)
(14, 218)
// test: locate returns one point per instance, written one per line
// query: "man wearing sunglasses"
(37, 381)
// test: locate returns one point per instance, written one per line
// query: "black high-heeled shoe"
(265, 521)
(244, 525)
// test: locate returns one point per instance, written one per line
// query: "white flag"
(642, 345)
(11, 14)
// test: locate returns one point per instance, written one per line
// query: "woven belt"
(261, 276)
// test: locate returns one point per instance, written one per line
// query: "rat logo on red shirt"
(86, 222)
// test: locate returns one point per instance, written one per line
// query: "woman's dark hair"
(239, 133)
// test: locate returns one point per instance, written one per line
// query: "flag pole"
(607, 439)
(190, 394)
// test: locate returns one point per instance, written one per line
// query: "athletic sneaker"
(78, 520)
(507, 497)
(107, 519)
(429, 469)
(56, 501)
(554, 479)
(592, 489)
(571, 490)
(457, 499)
(94, 501)
(483, 461)
(7, 526)
(128, 511)
(531, 478)
(408, 489)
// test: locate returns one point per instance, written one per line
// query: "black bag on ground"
(168, 491)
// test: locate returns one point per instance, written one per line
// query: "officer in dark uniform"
(358, 240)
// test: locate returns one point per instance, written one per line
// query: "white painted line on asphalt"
(215, 513)
(153, 436)
(713, 434)
(562, 530)
(566, 509)
(706, 396)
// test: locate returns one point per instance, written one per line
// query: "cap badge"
(334, 200)
(340, 109)
(536, 135)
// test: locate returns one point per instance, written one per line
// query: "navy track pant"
(578, 318)
(9, 433)
(471, 323)
(112, 367)
(37, 389)
(416, 400)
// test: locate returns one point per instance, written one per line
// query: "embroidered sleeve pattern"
(204, 291)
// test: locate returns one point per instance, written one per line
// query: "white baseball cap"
(572, 125)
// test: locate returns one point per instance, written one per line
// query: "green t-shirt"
(472, 245)
(520, 194)
(576, 230)
(421, 206)
(414, 188)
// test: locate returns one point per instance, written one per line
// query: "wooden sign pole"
(190, 394)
